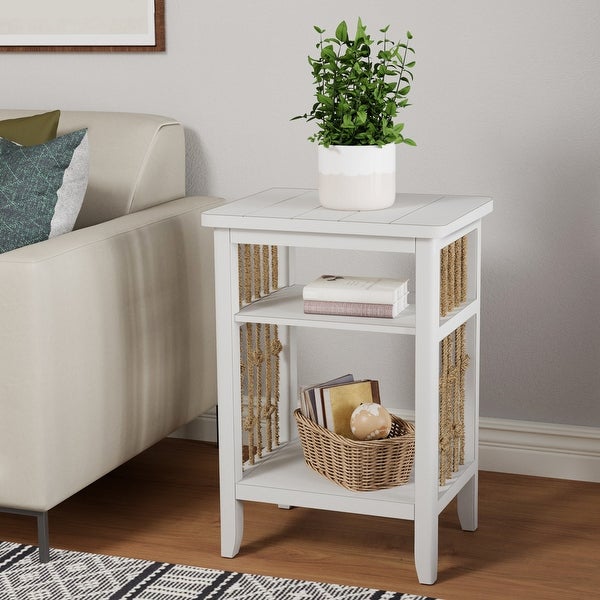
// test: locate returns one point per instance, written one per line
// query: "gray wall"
(506, 103)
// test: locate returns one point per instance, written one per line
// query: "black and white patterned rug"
(80, 576)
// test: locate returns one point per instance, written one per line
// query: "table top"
(294, 210)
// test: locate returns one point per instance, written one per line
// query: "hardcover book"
(355, 309)
(339, 402)
(345, 288)
(310, 397)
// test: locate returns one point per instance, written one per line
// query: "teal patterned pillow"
(41, 188)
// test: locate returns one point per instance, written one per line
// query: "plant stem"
(403, 63)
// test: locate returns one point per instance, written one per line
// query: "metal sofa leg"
(43, 537)
(42, 529)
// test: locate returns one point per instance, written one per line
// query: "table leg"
(426, 547)
(229, 393)
(232, 526)
(427, 261)
(467, 505)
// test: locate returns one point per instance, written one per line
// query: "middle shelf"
(285, 307)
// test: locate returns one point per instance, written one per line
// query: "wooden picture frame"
(139, 27)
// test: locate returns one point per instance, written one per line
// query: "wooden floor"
(537, 539)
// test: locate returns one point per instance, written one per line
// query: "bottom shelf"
(283, 477)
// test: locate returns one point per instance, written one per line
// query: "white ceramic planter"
(357, 177)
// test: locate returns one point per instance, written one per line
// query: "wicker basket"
(361, 466)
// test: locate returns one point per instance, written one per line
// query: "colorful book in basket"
(339, 402)
(346, 288)
(309, 406)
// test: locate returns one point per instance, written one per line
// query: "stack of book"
(356, 296)
(331, 404)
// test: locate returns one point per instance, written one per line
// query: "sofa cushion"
(41, 188)
(30, 131)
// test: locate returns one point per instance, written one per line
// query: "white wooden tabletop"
(288, 209)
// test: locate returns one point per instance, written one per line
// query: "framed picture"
(82, 25)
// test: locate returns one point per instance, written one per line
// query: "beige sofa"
(107, 332)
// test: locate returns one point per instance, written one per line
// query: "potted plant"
(360, 87)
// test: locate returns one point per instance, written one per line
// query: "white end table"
(417, 224)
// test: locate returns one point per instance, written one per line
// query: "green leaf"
(361, 31)
(347, 122)
(318, 29)
(328, 53)
(326, 100)
(404, 91)
(332, 40)
(409, 142)
(390, 109)
(409, 35)
(341, 33)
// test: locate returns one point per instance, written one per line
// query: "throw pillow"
(29, 131)
(41, 188)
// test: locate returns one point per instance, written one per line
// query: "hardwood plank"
(537, 537)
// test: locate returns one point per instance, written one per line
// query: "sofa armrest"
(107, 346)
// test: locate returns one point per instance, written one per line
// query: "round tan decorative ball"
(370, 421)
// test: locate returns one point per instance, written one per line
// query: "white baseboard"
(506, 446)
(202, 428)
(541, 449)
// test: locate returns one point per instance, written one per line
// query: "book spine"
(367, 296)
(371, 294)
(353, 309)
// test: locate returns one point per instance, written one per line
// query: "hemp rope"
(250, 420)
(450, 284)
(246, 369)
(241, 255)
(456, 425)
(454, 361)
(445, 438)
(274, 267)
(444, 282)
(276, 346)
(257, 356)
(260, 350)
(267, 409)
(457, 273)
(246, 284)
(464, 364)
(453, 275)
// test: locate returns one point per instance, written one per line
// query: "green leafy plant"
(360, 87)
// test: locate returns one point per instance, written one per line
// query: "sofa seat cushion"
(41, 188)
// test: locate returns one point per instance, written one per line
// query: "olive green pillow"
(31, 131)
